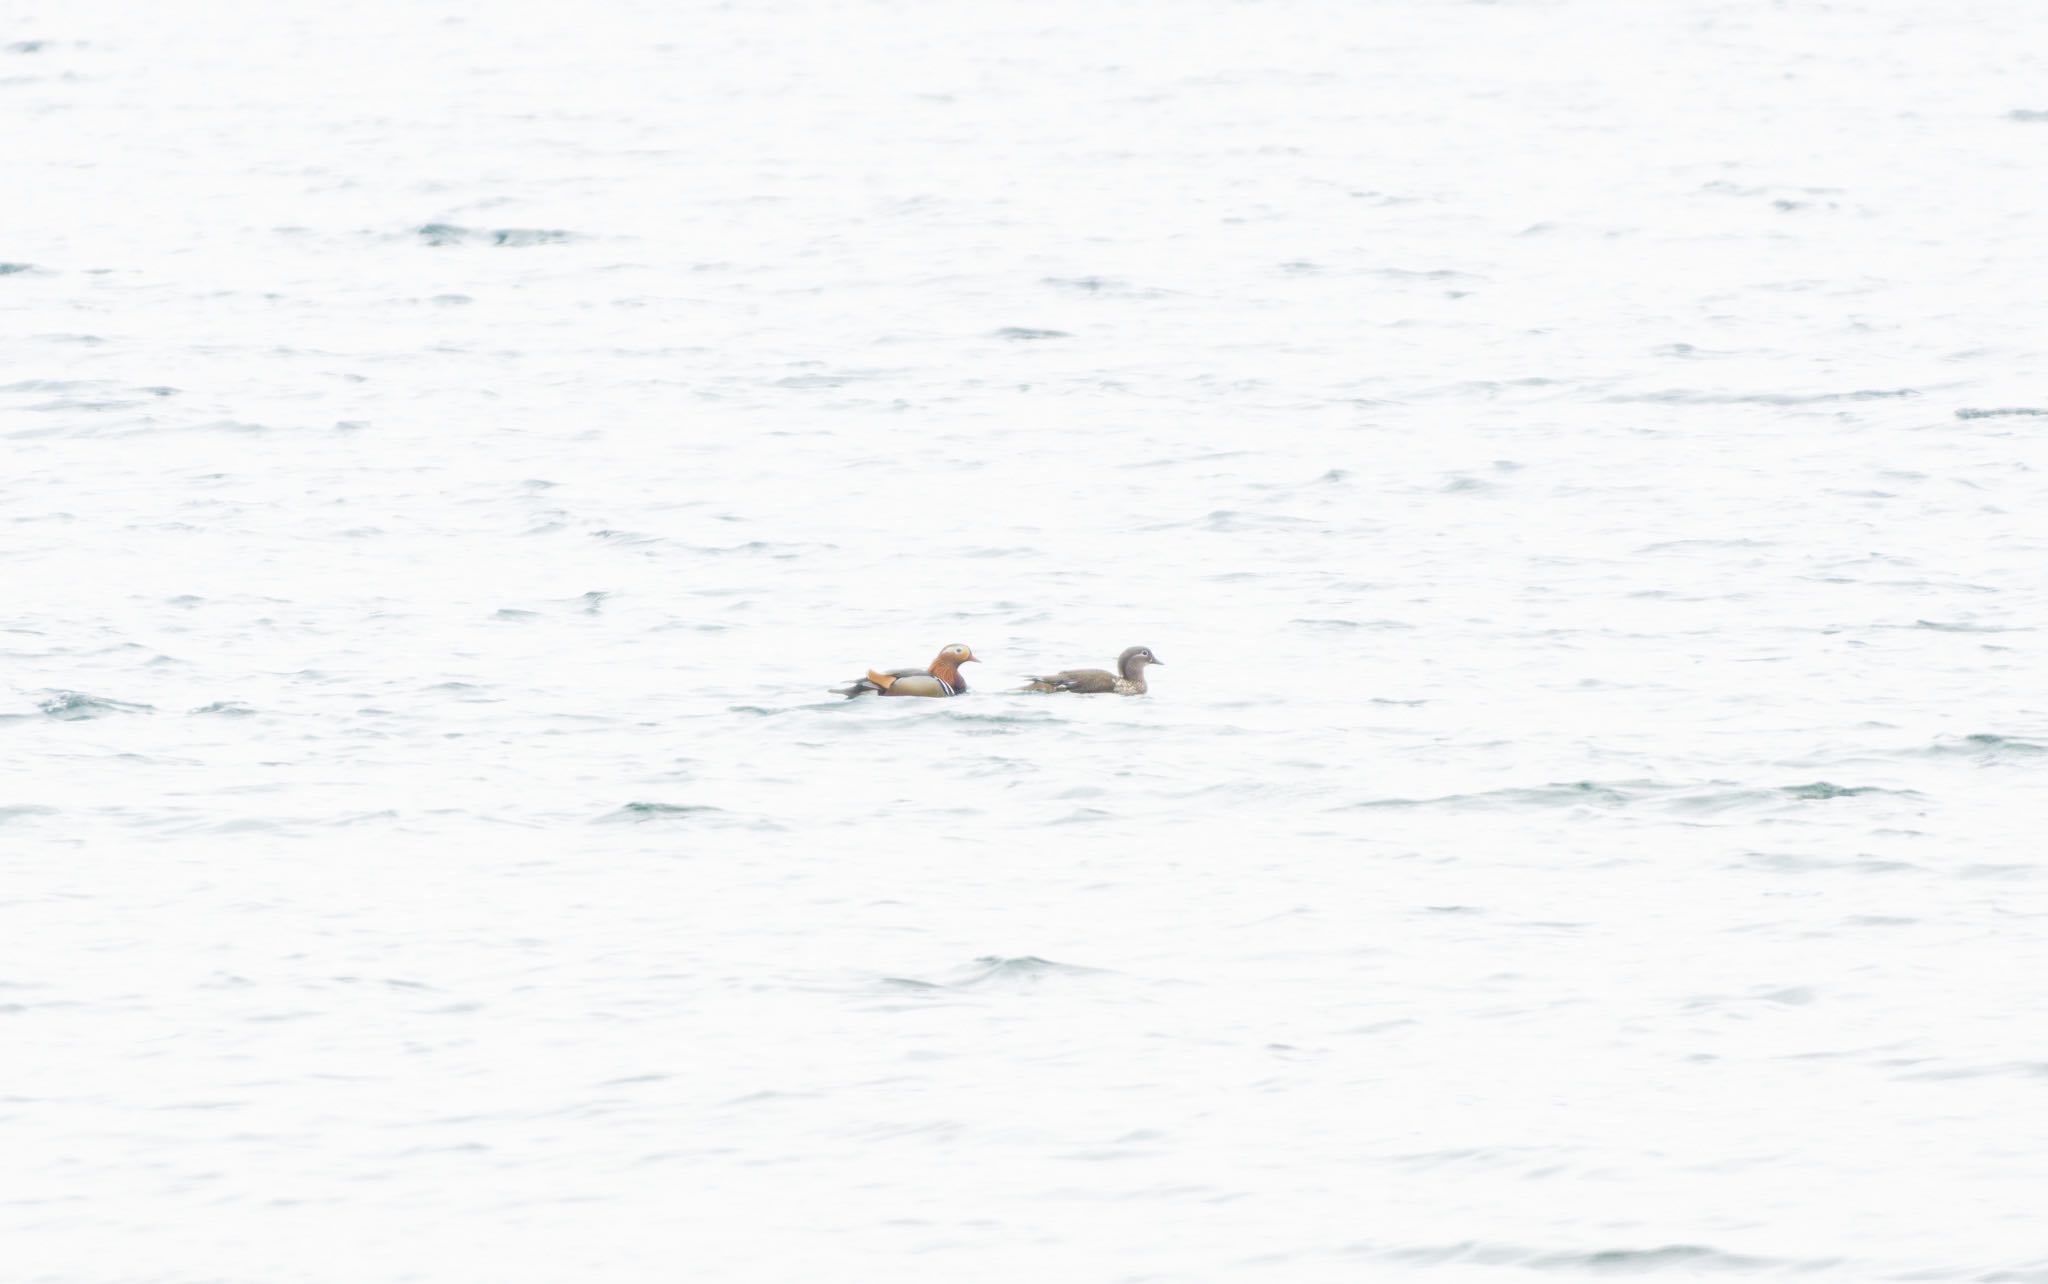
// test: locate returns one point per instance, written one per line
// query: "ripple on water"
(1678, 1258)
(1805, 863)
(1964, 626)
(1103, 286)
(1230, 521)
(1371, 626)
(2000, 412)
(994, 971)
(640, 813)
(1696, 397)
(1986, 747)
(1713, 796)
(514, 237)
(976, 722)
(1083, 816)
(1021, 333)
(76, 706)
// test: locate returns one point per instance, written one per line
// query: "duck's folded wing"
(1080, 681)
(882, 683)
(911, 682)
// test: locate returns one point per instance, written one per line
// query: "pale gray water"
(1587, 822)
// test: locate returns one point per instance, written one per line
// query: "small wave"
(450, 234)
(993, 971)
(362, 817)
(1986, 747)
(467, 692)
(1490, 388)
(832, 379)
(225, 709)
(1374, 626)
(14, 269)
(21, 811)
(2001, 872)
(1709, 798)
(1694, 397)
(953, 709)
(1023, 333)
(1421, 274)
(1673, 545)
(1231, 520)
(1998, 412)
(76, 706)
(1083, 816)
(639, 813)
(2006, 1069)
(1024, 969)
(1714, 799)
(243, 825)
(1573, 794)
(1088, 284)
(57, 385)
(1683, 1258)
(2027, 115)
(1946, 626)
(1629, 1261)
(1110, 286)
(1821, 789)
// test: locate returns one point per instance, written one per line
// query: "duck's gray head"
(1134, 659)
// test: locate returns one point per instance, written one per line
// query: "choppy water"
(1583, 467)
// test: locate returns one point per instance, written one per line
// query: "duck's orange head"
(947, 666)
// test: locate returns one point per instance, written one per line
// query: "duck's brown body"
(941, 678)
(1129, 679)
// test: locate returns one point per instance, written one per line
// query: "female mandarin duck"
(1129, 678)
(941, 679)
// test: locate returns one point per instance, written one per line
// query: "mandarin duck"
(1129, 678)
(942, 678)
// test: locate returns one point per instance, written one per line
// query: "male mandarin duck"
(1129, 678)
(942, 678)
